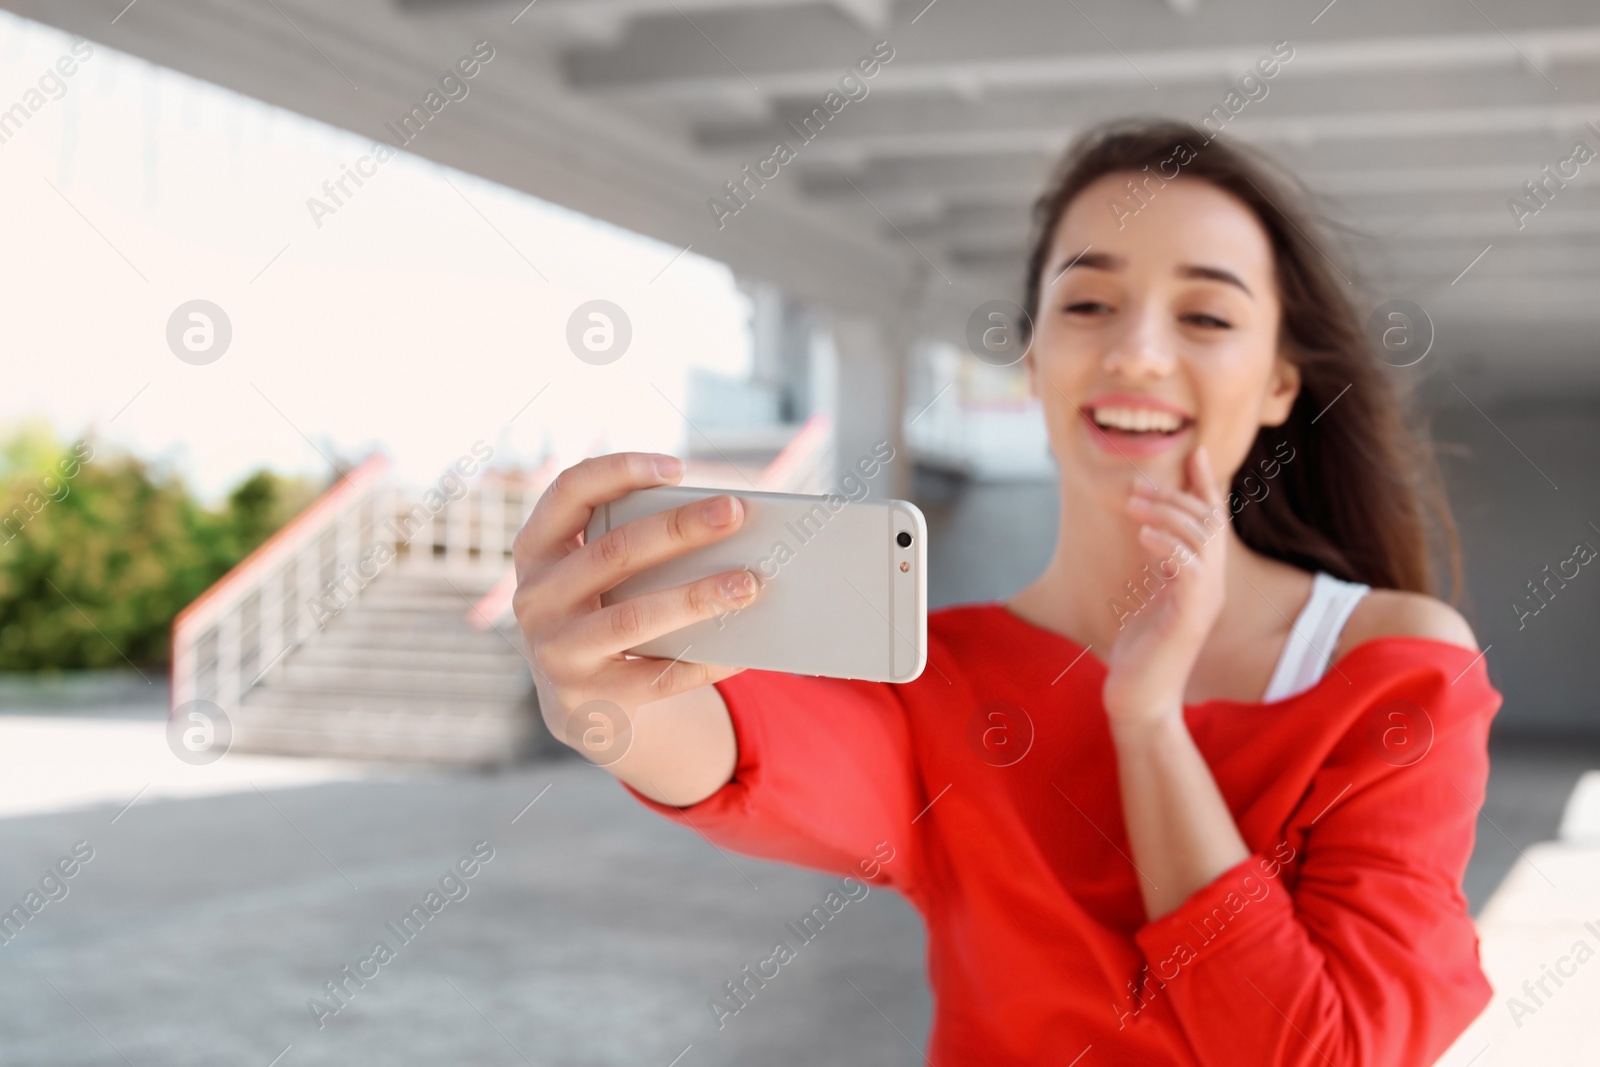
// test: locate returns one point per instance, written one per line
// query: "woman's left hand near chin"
(1150, 663)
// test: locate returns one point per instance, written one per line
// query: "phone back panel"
(834, 600)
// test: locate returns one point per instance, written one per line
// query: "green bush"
(99, 551)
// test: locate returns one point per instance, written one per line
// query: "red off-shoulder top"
(990, 781)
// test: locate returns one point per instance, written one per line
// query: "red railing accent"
(266, 553)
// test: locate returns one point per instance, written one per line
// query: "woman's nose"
(1143, 348)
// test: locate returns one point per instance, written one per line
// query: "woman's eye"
(1210, 322)
(1085, 307)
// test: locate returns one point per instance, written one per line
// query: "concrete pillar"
(869, 398)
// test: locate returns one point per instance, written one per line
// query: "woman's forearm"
(1180, 830)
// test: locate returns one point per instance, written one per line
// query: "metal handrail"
(215, 617)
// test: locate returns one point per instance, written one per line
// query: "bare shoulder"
(1392, 613)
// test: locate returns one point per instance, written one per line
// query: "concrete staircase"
(399, 674)
(425, 664)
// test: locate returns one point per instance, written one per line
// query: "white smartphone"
(844, 584)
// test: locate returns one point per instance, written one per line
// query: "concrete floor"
(595, 935)
(1530, 779)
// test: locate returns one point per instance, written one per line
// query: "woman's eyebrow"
(1086, 258)
(1109, 262)
(1216, 274)
(1095, 260)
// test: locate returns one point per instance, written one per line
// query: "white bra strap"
(1316, 631)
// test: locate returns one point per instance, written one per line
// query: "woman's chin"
(1116, 471)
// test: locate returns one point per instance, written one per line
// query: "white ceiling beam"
(1490, 178)
(776, 72)
(1556, 119)
(840, 147)
(1059, 109)
(1552, 222)
(868, 14)
(595, 25)
(603, 23)
(903, 197)
(863, 10)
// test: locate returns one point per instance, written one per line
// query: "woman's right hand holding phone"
(675, 739)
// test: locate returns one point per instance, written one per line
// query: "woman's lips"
(1129, 444)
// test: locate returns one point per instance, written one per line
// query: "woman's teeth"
(1137, 420)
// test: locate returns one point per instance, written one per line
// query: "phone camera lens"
(903, 539)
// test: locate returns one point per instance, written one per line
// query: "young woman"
(1246, 747)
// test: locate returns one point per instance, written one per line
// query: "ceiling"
(1418, 121)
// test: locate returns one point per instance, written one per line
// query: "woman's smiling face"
(1165, 324)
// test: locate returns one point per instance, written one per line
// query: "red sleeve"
(1359, 949)
(825, 777)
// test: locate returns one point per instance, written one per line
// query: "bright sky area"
(413, 319)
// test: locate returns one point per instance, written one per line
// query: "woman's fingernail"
(668, 467)
(741, 586)
(721, 510)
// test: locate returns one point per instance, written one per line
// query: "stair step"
(439, 641)
(383, 619)
(316, 717)
(398, 673)
(446, 602)
(487, 659)
(341, 701)
(363, 677)
(393, 621)
(474, 585)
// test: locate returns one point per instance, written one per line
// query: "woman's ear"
(1031, 370)
(1282, 389)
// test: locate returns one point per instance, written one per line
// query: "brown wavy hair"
(1363, 498)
